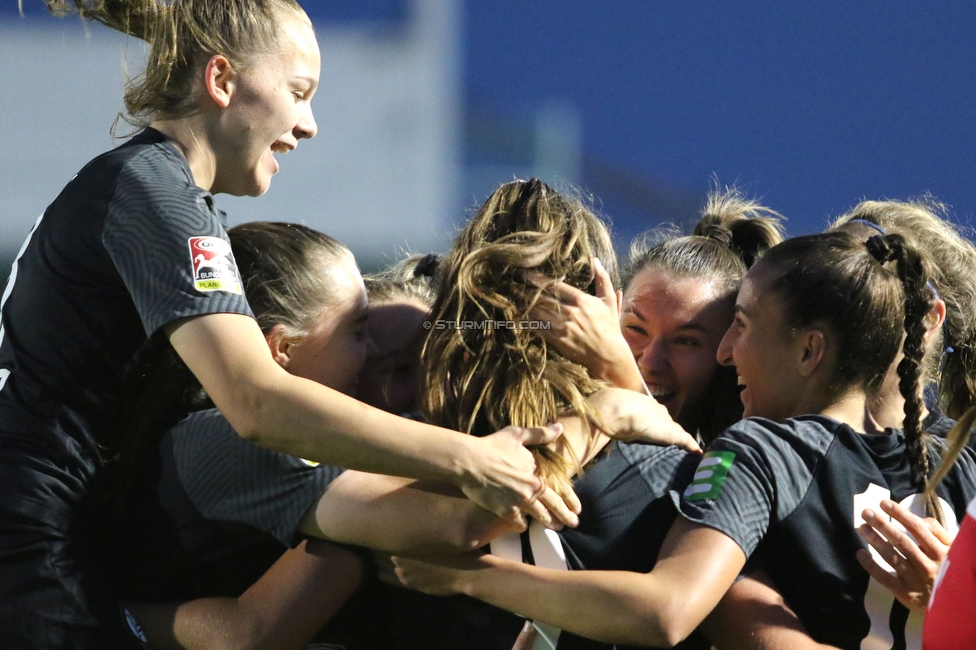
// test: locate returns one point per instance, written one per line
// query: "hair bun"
(427, 266)
(881, 248)
(719, 233)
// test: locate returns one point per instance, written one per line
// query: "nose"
(306, 127)
(653, 359)
(724, 352)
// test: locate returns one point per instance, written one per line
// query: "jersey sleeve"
(755, 472)
(169, 245)
(230, 479)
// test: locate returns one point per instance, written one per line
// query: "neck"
(852, 410)
(889, 410)
(188, 135)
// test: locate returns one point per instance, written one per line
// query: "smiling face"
(673, 327)
(269, 110)
(335, 348)
(764, 351)
(389, 378)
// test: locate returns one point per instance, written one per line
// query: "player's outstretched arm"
(270, 407)
(696, 566)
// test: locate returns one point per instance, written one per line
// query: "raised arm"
(272, 408)
(586, 329)
(696, 567)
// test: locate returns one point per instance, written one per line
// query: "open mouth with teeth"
(280, 147)
(661, 393)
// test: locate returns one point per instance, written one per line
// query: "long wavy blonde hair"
(523, 240)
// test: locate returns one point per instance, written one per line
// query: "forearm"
(608, 606)
(305, 419)
(401, 516)
(753, 616)
(230, 357)
(283, 609)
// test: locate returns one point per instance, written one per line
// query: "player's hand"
(500, 475)
(635, 417)
(441, 575)
(586, 329)
(916, 562)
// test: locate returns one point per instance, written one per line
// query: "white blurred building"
(383, 174)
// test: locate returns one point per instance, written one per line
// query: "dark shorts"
(53, 591)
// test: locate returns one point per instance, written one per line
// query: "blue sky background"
(810, 105)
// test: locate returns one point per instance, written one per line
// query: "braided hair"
(918, 302)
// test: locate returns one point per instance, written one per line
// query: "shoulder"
(805, 434)
(152, 179)
(661, 467)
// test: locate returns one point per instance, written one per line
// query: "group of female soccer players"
(201, 429)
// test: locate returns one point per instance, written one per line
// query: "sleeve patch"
(213, 263)
(710, 476)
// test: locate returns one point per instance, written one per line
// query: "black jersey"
(211, 514)
(627, 512)
(793, 492)
(130, 245)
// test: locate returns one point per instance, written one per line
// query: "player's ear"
(219, 78)
(811, 350)
(280, 341)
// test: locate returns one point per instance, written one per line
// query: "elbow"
(672, 626)
(247, 414)
(476, 530)
(655, 626)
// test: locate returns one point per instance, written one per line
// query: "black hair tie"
(719, 233)
(881, 249)
(427, 266)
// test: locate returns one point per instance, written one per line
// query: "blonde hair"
(523, 240)
(182, 35)
(409, 279)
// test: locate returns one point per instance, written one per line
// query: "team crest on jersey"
(213, 265)
(710, 476)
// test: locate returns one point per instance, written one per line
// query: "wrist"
(462, 463)
(624, 373)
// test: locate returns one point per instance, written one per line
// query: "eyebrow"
(690, 325)
(633, 310)
(312, 83)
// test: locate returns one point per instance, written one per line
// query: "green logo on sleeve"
(710, 476)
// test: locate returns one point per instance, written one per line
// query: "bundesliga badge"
(214, 268)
